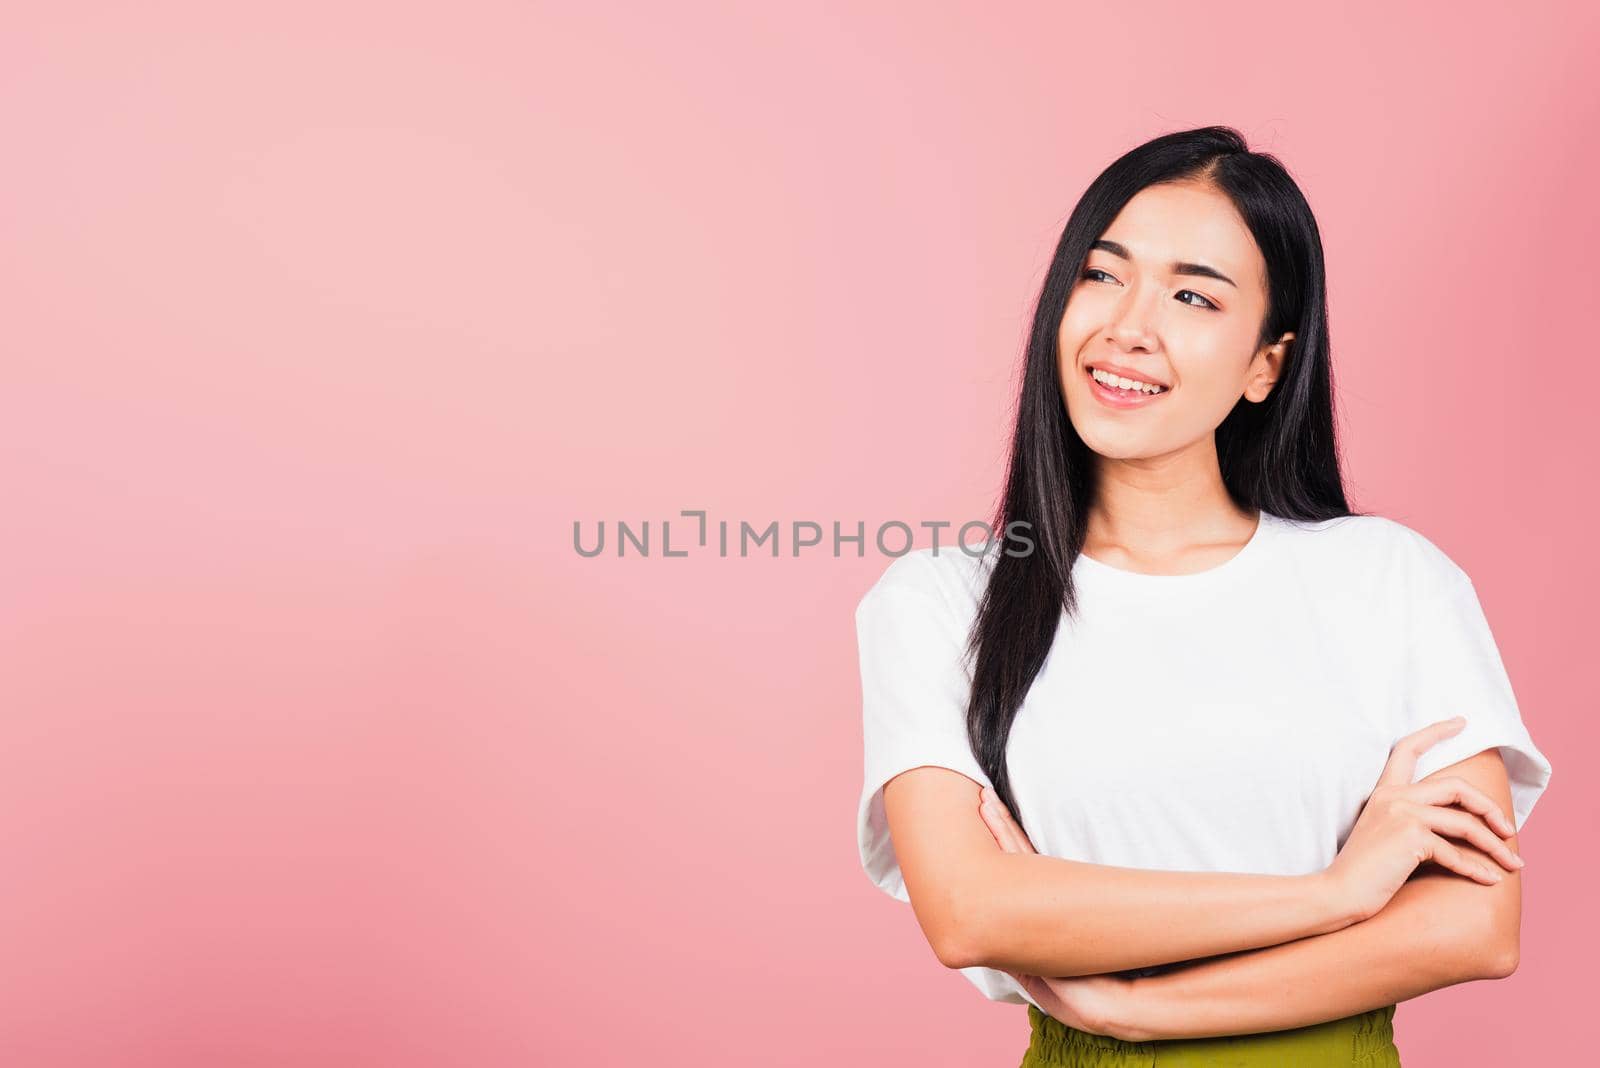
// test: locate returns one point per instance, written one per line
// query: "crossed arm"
(1439, 929)
(1283, 966)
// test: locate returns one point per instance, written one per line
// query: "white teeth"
(1118, 381)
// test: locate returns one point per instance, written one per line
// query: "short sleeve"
(1454, 669)
(915, 686)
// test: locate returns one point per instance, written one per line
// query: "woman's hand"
(1099, 1004)
(1403, 824)
(998, 819)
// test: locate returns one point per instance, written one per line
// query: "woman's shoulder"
(949, 575)
(1374, 546)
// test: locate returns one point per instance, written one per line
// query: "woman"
(1221, 705)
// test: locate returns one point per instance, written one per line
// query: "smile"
(1115, 391)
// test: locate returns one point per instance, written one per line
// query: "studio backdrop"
(445, 447)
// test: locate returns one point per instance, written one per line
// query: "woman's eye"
(1204, 303)
(1095, 274)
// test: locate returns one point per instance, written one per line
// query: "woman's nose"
(1131, 327)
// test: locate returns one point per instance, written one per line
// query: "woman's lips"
(1121, 398)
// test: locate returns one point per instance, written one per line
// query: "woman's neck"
(1163, 513)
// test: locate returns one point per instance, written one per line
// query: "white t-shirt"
(1235, 719)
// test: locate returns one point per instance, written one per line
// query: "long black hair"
(1278, 456)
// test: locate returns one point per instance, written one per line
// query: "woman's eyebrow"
(1177, 268)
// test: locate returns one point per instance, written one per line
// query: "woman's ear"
(1266, 368)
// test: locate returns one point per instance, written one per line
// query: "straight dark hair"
(1278, 456)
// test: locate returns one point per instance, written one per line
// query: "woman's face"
(1149, 306)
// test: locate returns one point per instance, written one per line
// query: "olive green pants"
(1365, 1040)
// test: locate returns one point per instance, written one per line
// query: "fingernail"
(1495, 875)
(1518, 861)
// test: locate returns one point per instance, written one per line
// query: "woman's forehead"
(1187, 223)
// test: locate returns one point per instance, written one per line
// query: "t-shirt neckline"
(1234, 563)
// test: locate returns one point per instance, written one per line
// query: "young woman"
(1222, 707)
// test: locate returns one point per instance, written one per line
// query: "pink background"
(320, 745)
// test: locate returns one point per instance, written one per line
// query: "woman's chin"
(1113, 446)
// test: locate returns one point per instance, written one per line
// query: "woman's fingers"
(1402, 764)
(1001, 824)
(1449, 855)
(997, 827)
(987, 811)
(1466, 826)
(1005, 830)
(1460, 792)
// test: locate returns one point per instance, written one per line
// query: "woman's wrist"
(1140, 1015)
(1330, 905)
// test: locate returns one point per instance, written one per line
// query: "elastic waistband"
(1366, 1039)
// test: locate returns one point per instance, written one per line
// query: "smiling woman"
(1188, 779)
(1139, 328)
